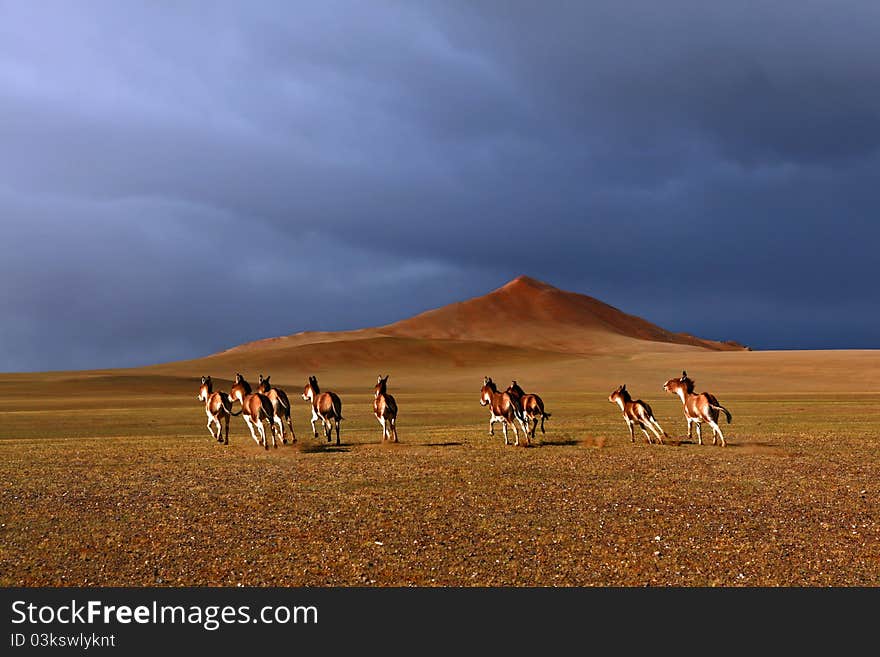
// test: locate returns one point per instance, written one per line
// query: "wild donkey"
(218, 407)
(700, 408)
(505, 409)
(636, 412)
(326, 406)
(385, 408)
(255, 407)
(532, 407)
(280, 407)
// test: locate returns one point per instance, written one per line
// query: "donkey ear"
(203, 379)
(623, 386)
(684, 374)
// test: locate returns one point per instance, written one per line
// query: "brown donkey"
(637, 412)
(700, 408)
(280, 407)
(532, 407)
(504, 408)
(218, 408)
(326, 406)
(385, 408)
(255, 407)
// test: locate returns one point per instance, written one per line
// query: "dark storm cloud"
(178, 180)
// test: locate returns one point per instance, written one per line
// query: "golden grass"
(111, 478)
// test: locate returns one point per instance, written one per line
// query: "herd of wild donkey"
(511, 407)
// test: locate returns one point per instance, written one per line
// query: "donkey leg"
(504, 429)
(290, 426)
(384, 433)
(212, 419)
(632, 432)
(491, 426)
(699, 433)
(314, 419)
(263, 441)
(661, 429)
(271, 422)
(260, 430)
(690, 429)
(337, 431)
(647, 436)
(250, 426)
(717, 428)
(280, 422)
(652, 425)
(525, 428)
(394, 428)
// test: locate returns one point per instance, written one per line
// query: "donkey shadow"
(564, 442)
(318, 448)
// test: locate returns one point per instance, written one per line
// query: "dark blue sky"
(177, 178)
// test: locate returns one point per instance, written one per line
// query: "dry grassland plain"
(111, 477)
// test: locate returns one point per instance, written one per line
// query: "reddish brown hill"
(531, 313)
(524, 319)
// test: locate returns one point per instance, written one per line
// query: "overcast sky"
(177, 178)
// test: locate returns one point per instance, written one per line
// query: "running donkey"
(532, 407)
(637, 412)
(326, 406)
(255, 407)
(218, 407)
(699, 408)
(505, 409)
(385, 409)
(280, 407)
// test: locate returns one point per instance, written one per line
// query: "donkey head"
(619, 393)
(310, 389)
(204, 388)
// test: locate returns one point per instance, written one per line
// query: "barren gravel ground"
(122, 485)
(137, 493)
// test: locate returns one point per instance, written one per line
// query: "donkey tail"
(724, 410)
(337, 408)
(546, 415)
(228, 409)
